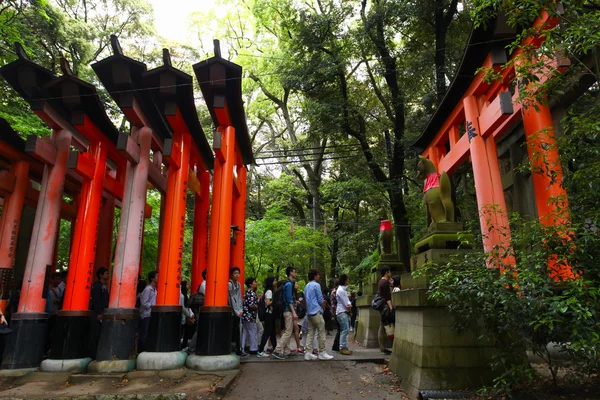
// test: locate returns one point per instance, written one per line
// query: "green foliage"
(523, 308)
(271, 247)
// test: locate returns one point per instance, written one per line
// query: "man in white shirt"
(342, 313)
(147, 300)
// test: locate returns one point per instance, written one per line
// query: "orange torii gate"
(221, 85)
(122, 77)
(111, 168)
(70, 127)
(488, 111)
(190, 159)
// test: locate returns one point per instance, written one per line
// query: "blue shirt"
(313, 297)
(288, 296)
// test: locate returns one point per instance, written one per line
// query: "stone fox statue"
(386, 234)
(437, 191)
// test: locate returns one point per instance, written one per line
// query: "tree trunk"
(335, 246)
(440, 51)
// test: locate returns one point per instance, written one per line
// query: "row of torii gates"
(88, 158)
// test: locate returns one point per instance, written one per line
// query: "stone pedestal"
(368, 319)
(445, 235)
(427, 353)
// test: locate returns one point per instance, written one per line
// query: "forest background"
(335, 93)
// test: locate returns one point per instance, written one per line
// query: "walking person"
(147, 300)
(353, 311)
(315, 304)
(342, 314)
(269, 325)
(237, 307)
(98, 302)
(333, 300)
(290, 318)
(300, 312)
(188, 319)
(249, 317)
(383, 289)
(53, 303)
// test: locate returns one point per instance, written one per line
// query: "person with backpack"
(290, 317)
(300, 312)
(265, 314)
(249, 316)
(237, 309)
(384, 290)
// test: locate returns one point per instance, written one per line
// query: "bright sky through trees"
(171, 16)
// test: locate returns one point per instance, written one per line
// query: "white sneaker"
(324, 356)
(309, 356)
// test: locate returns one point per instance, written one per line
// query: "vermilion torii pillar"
(488, 184)
(220, 81)
(10, 223)
(238, 218)
(25, 346)
(200, 241)
(547, 176)
(13, 186)
(188, 147)
(81, 104)
(122, 77)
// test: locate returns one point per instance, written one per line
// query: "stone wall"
(427, 353)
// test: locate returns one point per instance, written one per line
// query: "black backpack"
(279, 302)
(262, 309)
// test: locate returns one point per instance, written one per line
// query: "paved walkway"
(359, 354)
(362, 375)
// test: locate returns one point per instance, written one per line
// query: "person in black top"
(98, 302)
(353, 311)
(383, 289)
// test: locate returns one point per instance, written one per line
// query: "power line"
(309, 148)
(321, 221)
(309, 160)
(297, 155)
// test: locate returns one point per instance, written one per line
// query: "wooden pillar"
(25, 346)
(488, 184)
(83, 249)
(104, 243)
(170, 264)
(70, 333)
(45, 226)
(165, 320)
(547, 176)
(123, 288)
(117, 336)
(239, 219)
(217, 274)
(200, 241)
(10, 223)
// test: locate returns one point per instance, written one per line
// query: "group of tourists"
(301, 316)
(264, 325)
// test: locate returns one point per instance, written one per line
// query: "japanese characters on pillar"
(13, 187)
